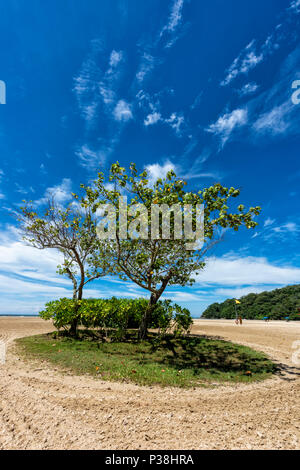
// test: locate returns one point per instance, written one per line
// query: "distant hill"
(276, 304)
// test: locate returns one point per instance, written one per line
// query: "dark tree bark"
(143, 328)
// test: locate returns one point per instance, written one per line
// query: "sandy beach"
(40, 408)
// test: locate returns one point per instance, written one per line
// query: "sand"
(42, 409)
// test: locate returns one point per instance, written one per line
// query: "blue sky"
(201, 87)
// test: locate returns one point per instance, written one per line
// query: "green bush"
(120, 314)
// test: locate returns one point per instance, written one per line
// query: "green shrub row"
(116, 313)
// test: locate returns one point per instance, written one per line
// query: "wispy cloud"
(21, 190)
(237, 292)
(177, 296)
(61, 193)
(122, 111)
(273, 112)
(248, 89)
(94, 87)
(236, 271)
(197, 101)
(147, 64)
(170, 32)
(288, 228)
(150, 104)
(86, 83)
(270, 112)
(228, 123)
(272, 232)
(176, 121)
(246, 60)
(97, 91)
(152, 118)
(254, 54)
(269, 222)
(92, 159)
(156, 170)
(115, 59)
(28, 276)
(295, 6)
(276, 120)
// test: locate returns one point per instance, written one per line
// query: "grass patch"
(180, 362)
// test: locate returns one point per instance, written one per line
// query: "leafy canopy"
(155, 263)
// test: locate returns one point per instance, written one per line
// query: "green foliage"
(155, 263)
(160, 261)
(276, 305)
(71, 231)
(117, 313)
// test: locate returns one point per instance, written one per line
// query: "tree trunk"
(73, 328)
(74, 324)
(143, 328)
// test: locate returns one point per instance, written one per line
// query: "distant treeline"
(276, 305)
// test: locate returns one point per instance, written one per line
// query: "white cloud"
(275, 121)
(28, 276)
(146, 66)
(61, 193)
(90, 111)
(96, 89)
(269, 222)
(235, 271)
(247, 60)
(227, 123)
(252, 55)
(248, 89)
(175, 15)
(17, 258)
(122, 111)
(177, 296)
(176, 121)
(152, 118)
(107, 94)
(288, 231)
(295, 5)
(289, 227)
(197, 100)
(272, 112)
(155, 170)
(86, 84)
(22, 190)
(21, 287)
(238, 292)
(170, 30)
(92, 159)
(115, 58)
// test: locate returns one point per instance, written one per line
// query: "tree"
(157, 262)
(71, 231)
